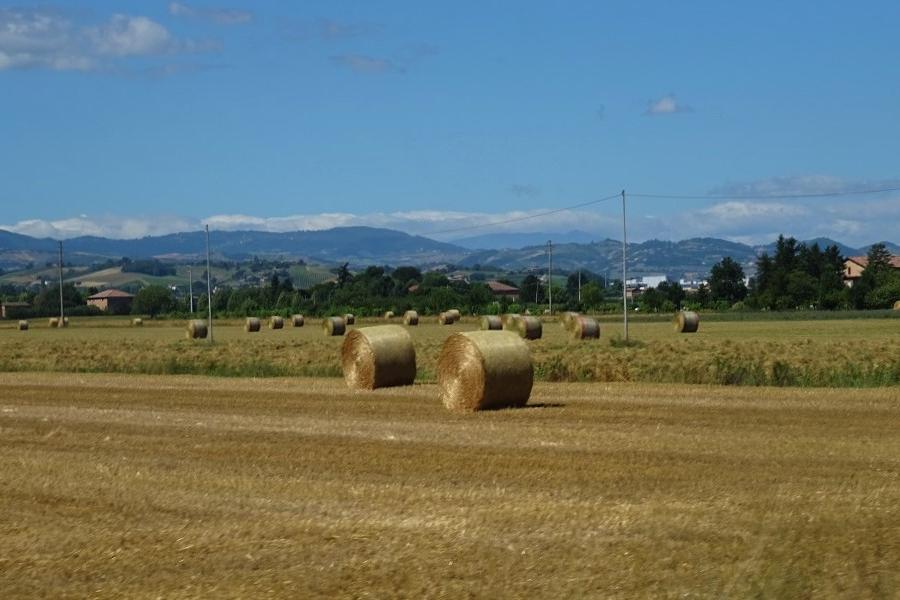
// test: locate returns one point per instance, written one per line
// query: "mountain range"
(362, 246)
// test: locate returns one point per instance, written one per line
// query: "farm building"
(855, 265)
(502, 290)
(13, 310)
(112, 301)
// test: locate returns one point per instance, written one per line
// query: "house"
(13, 310)
(502, 290)
(855, 265)
(112, 301)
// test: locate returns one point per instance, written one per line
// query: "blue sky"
(132, 118)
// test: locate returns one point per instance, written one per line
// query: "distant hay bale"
(454, 313)
(297, 320)
(410, 317)
(197, 330)
(276, 322)
(53, 322)
(897, 305)
(584, 328)
(64, 322)
(252, 325)
(379, 356)
(567, 319)
(491, 323)
(23, 325)
(481, 370)
(509, 321)
(349, 319)
(446, 318)
(529, 328)
(388, 315)
(334, 326)
(137, 322)
(686, 321)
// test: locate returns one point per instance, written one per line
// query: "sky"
(125, 119)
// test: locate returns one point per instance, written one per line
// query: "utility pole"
(550, 274)
(191, 290)
(208, 288)
(624, 271)
(579, 286)
(62, 314)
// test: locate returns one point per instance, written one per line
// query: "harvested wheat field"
(180, 486)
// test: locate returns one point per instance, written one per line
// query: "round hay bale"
(380, 356)
(509, 320)
(897, 305)
(567, 319)
(252, 325)
(491, 323)
(481, 370)
(349, 319)
(23, 325)
(334, 326)
(389, 315)
(64, 322)
(297, 320)
(276, 322)
(410, 317)
(584, 328)
(446, 318)
(197, 330)
(137, 322)
(529, 328)
(53, 322)
(454, 313)
(686, 321)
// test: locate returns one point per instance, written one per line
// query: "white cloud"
(219, 16)
(47, 39)
(667, 105)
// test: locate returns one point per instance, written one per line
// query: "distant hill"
(498, 241)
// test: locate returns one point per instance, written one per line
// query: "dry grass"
(134, 486)
(848, 353)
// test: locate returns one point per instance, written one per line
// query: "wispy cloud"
(48, 39)
(327, 30)
(667, 105)
(219, 16)
(802, 184)
(361, 63)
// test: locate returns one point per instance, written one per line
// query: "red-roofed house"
(855, 265)
(112, 301)
(503, 290)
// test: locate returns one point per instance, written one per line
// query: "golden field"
(181, 486)
(823, 353)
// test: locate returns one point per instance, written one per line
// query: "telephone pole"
(624, 271)
(208, 288)
(550, 274)
(579, 286)
(191, 290)
(62, 313)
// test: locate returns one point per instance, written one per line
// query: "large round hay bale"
(23, 325)
(410, 317)
(349, 319)
(567, 319)
(481, 370)
(388, 315)
(252, 325)
(491, 323)
(686, 321)
(897, 305)
(334, 326)
(137, 322)
(380, 356)
(454, 313)
(529, 328)
(584, 328)
(197, 330)
(446, 318)
(509, 321)
(276, 322)
(53, 322)
(297, 320)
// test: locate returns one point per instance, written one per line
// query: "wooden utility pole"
(62, 313)
(624, 271)
(208, 288)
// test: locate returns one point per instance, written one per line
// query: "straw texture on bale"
(481, 370)
(252, 325)
(410, 317)
(686, 321)
(529, 328)
(491, 323)
(297, 320)
(53, 322)
(196, 330)
(349, 319)
(276, 322)
(509, 321)
(453, 312)
(376, 357)
(567, 319)
(23, 325)
(138, 322)
(334, 326)
(389, 315)
(584, 328)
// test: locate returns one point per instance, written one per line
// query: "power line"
(765, 196)
(525, 218)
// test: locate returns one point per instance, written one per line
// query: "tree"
(344, 275)
(404, 274)
(726, 281)
(531, 290)
(152, 300)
